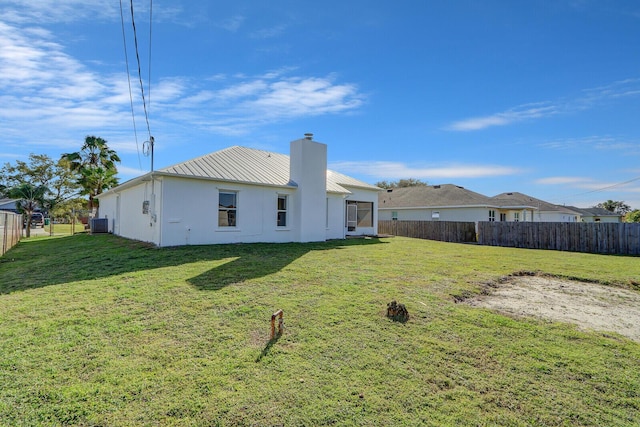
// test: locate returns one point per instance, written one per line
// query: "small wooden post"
(279, 315)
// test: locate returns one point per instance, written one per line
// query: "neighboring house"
(450, 202)
(543, 211)
(8, 205)
(447, 202)
(596, 215)
(243, 195)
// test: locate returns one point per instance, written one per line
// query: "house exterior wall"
(190, 213)
(462, 214)
(559, 216)
(124, 211)
(335, 216)
(601, 219)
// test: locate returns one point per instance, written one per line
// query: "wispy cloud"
(545, 109)
(397, 170)
(631, 146)
(236, 105)
(517, 114)
(590, 184)
(268, 33)
(58, 97)
(232, 24)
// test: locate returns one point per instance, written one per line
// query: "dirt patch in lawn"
(588, 305)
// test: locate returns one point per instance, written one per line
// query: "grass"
(97, 330)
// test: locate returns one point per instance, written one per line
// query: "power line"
(150, 38)
(135, 39)
(597, 190)
(126, 60)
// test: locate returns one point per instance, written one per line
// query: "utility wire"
(609, 187)
(126, 61)
(150, 38)
(144, 102)
(597, 190)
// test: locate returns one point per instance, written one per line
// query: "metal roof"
(252, 166)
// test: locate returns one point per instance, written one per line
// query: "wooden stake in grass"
(279, 315)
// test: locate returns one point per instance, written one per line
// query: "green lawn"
(101, 331)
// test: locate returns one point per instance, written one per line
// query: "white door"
(352, 216)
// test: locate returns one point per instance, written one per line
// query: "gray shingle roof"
(446, 195)
(249, 165)
(515, 199)
(594, 211)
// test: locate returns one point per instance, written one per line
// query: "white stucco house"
(595, 214)
(243, 195)
(448, 202)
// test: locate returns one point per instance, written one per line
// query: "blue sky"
(540, 97)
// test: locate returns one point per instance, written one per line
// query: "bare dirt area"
(588, 305)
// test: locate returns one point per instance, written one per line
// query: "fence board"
(600, 238)
(444, 231)
(10, 230)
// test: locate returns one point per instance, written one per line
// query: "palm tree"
(29, 198)
(95, 165)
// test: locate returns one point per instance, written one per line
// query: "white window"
(394, 215)
(492, 215)
(435, 216)
(503, 217)
(282, 210)
(227, 208)
(516, 216)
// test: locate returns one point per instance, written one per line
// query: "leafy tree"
(633, 216)
(401, 183)
(95, 166)
(42, 171)
(619, 207)
(29, 198)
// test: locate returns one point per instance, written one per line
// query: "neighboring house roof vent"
(389, 190)
(308, 136)
(436, 186)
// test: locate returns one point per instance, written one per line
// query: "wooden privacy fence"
(590, 237)
(444, 231)
(10, 230)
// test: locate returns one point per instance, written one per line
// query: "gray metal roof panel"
(242, 164)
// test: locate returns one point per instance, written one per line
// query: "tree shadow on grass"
(45, 262)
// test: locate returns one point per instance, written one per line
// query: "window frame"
(284, 210)
(232, 221)
(492, 215)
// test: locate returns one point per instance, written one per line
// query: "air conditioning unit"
(99, 225)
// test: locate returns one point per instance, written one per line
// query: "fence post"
(279, 315)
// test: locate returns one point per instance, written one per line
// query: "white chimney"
(308, 169)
